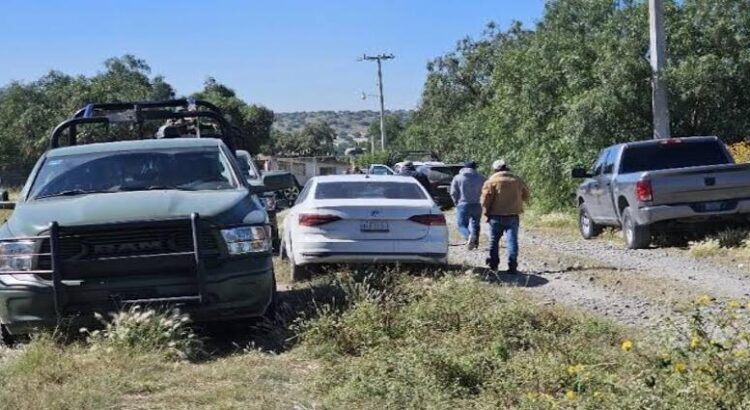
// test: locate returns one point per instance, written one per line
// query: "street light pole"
(379, 58)
(659, 102)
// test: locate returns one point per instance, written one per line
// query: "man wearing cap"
(503, 196)
(409, 170)
(466, 191)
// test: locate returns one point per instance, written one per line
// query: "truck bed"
(700, 184)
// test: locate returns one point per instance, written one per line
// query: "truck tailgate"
(700, 184)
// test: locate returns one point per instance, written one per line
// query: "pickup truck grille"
(92, 243)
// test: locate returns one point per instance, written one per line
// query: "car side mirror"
(579, 172)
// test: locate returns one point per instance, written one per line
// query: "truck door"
(597, 187)
(606, 202)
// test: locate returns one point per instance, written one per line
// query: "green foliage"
(549, 99)
(315, 139)
(254, 121)
(29, 111)
(394, 127)
(459, 343)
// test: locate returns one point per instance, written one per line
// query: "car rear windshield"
(179, 169)
(672, 155)
(369, 190)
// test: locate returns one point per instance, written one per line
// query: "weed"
(732, 237)
(705, 248)
(146, 330)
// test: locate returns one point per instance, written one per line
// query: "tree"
(394, 126)
(550, 98)
(254, 121)
(29, 111)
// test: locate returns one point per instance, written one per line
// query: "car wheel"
(636, 236)
(6, 339)
(588, 228)
(297, 272)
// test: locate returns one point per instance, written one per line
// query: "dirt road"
(643, 288)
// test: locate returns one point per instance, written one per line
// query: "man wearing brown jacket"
(503, 197)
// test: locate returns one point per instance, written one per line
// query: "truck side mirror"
(275, 181)
(579, 172)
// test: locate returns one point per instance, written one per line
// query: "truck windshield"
(672, 155)
(183, 169)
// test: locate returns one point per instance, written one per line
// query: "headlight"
(17, 255)
(247, 239)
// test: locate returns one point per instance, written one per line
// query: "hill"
(343, 122)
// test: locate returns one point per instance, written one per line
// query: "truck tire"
(6, 339)
(272, 310)
(588, 228)
(636, 236)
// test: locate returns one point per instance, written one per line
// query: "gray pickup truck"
(163, 219)
(663, 186)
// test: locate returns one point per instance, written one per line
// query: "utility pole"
(658, 56)
(379, 58)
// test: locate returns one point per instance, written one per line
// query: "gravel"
(554, 267)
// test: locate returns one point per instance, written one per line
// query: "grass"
(390, 340)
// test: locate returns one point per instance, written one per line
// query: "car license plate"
(374, 226)
(713, 206)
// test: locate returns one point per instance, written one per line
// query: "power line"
(379, 59)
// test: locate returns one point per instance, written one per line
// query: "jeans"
(500, 225)
(468, 218)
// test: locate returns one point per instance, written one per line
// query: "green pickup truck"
(155, 220)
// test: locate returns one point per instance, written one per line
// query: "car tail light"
(317, 219)
(430, 220)
(643, 191)
(671, 141)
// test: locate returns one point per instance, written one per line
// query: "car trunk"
(380, 219)
(700, 184)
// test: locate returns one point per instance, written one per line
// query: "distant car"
(380, 169)
(440, 176)
(363, 219)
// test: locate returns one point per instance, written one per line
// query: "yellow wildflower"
(741, 353)
(680, 367)
(575, 369)
(704, 300)
(627, 346)
(733, 304)
(571, 395)
(695, 341)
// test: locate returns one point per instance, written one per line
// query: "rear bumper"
(237, 289)
(431, 249)
(685, 213)
(376, 258)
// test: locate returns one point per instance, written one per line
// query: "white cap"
(498, 165)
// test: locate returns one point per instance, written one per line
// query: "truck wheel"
(636, 236)
(6, 339)
(588, 228)
(272, 309)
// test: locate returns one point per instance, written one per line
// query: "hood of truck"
(220, 207)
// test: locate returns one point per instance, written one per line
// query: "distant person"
(271, 164)
(353, 170)
(466, 191)
(409, 170)
(503, 196)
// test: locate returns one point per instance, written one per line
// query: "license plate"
(374, 226)
(713, 206)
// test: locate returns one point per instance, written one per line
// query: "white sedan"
(363, 219)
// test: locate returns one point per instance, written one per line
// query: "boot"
(492, 265)
(512, 267)
(473, 243)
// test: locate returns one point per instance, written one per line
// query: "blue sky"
(288, 55)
